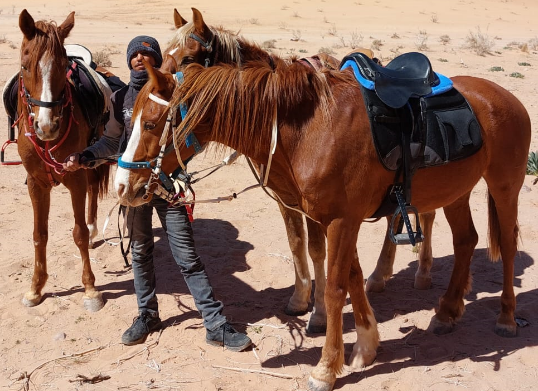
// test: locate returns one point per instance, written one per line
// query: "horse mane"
(241, 105)
(231, 44)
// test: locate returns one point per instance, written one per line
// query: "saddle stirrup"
(403, 210)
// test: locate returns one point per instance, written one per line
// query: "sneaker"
(142, 326)
(228, 337)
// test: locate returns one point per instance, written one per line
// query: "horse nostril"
(121, 190)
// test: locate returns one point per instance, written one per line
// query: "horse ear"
(27, 24)
(199, 24)
(178, 19)
(169, 64)
(65, 28)
(155, 76)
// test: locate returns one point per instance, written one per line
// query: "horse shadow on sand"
(473, 337)
(224, 257)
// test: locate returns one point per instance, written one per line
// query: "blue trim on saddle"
(191, 138)
(445, 84)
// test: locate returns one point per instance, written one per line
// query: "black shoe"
(228, 337)
(142, 326)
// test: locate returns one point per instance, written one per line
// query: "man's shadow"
(223, 256)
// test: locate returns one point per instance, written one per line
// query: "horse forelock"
(227, 41)
(240, 105)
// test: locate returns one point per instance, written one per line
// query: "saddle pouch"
(452, 131)
(444, 128)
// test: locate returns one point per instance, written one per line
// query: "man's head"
(143, 47)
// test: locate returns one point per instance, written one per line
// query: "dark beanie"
(144, 43)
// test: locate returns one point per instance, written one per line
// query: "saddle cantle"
(408, 75)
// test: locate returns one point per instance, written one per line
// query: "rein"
(45, 153)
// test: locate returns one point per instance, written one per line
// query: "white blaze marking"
(122, 174)
(44, 117)
(173, 51)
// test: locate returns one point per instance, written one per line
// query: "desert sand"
(58, 345)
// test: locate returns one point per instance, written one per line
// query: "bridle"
(174, 187)
(207, 45)
(45, 153)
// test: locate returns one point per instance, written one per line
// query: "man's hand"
(74, 162)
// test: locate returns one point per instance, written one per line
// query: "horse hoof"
(294, 312)
(312, 328)
(440, 328)
(363, 359)
(423, 283)
(93, 304)
(318, 385)
(374, 285)
(31, 299)
(505, 331)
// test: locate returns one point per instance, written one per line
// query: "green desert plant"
(532, 164)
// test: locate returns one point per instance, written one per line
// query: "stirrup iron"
(403, 209)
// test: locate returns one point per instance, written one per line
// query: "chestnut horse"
(54, 126)
(196, 42)
(336, 178)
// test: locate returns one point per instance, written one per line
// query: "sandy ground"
(60, 346)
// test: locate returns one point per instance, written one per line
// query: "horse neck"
(252, 52)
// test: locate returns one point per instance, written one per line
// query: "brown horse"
(51, 126)
(196, 42)
(337, 179)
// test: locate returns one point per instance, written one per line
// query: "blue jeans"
(177, 226)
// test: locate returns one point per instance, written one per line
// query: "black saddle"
(409, 74)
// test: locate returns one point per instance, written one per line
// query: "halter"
(174, 187)
(206, 45)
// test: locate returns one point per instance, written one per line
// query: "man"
(174, 220)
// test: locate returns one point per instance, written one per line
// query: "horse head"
(43, 73)
(149, 158)
(193, 42)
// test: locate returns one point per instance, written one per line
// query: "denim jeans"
(177, 226)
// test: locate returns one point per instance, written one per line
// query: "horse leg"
(465, 239)
(40, 197)
(342, 241)
(316, 248)
(423, 277)
(93, 300)
(504, 231)
(93, 193)
(384, 266)
(298, 302)
(365, 349)
(385, 263)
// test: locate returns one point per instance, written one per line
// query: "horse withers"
(336, 177)
(52, 125)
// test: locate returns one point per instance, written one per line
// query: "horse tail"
(103, 173)
(494, 231)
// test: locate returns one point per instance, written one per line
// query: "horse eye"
(149, 126)
(187, 61)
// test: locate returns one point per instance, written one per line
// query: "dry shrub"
(533, 43)
(102, 58)
(480, 43)
(444, 39)
(270, 44)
